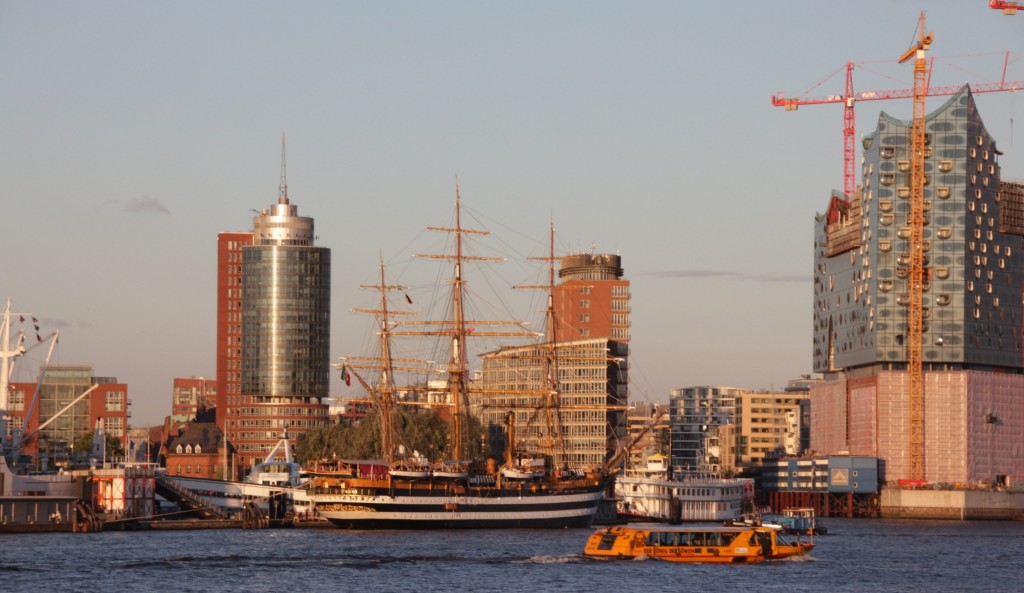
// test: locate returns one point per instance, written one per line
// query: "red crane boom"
(850, 98)
(1007, 7)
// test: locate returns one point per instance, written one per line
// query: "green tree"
(424, 431)
(83, 445)
(114, 447)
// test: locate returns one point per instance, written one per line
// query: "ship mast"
(456, 328)
(383, 392)
(552, 408)
(551, 437)
(459, 363)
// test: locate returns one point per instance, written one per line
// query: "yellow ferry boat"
(716, 544)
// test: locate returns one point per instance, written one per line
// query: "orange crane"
(915, 315)
(849, 99)
(1007, 7)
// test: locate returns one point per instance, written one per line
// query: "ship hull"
(482, 510)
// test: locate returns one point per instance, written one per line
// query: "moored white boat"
(450, 471)
(650, 494)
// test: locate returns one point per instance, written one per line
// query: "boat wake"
(347, 561)
(799, 558)
(551, 559)
(178, 561)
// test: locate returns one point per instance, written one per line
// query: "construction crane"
(915, 315)
(850, 98)
(1008, 8)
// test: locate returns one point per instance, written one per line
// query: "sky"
(133, 132)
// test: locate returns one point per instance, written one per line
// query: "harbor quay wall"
(951, 504)
(35, 514)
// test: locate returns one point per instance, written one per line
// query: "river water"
(861, 555)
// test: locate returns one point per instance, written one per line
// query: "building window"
(114, 401)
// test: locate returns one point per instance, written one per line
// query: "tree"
(424, 431)
(83, 445)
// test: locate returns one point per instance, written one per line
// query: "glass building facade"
(285, 334)
(286, 321)
(972, 292)
(693, 413)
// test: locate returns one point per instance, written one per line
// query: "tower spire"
(282, 190)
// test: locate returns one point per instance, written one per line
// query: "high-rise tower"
(277, 356)
(592, 299)
(229, 321)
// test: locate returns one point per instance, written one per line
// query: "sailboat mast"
(383, 390)
(459, 361)
(553, 424)
(458, 329)
(385, 387)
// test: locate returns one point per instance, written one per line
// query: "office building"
(718, 429)
(592, 392)
(273, 368)
(70, 401)
(229, 321)
(592, 299)
(190, 395)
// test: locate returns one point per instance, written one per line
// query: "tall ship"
(406, 490)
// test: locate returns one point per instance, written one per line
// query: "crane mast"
(918, 273)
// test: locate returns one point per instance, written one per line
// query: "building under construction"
(970, 338)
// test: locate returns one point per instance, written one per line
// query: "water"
(858, 555)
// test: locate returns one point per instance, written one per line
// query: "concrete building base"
(952, 504)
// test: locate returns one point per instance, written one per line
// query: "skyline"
(134, 133)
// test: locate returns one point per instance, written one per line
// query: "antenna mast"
(282, 189)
